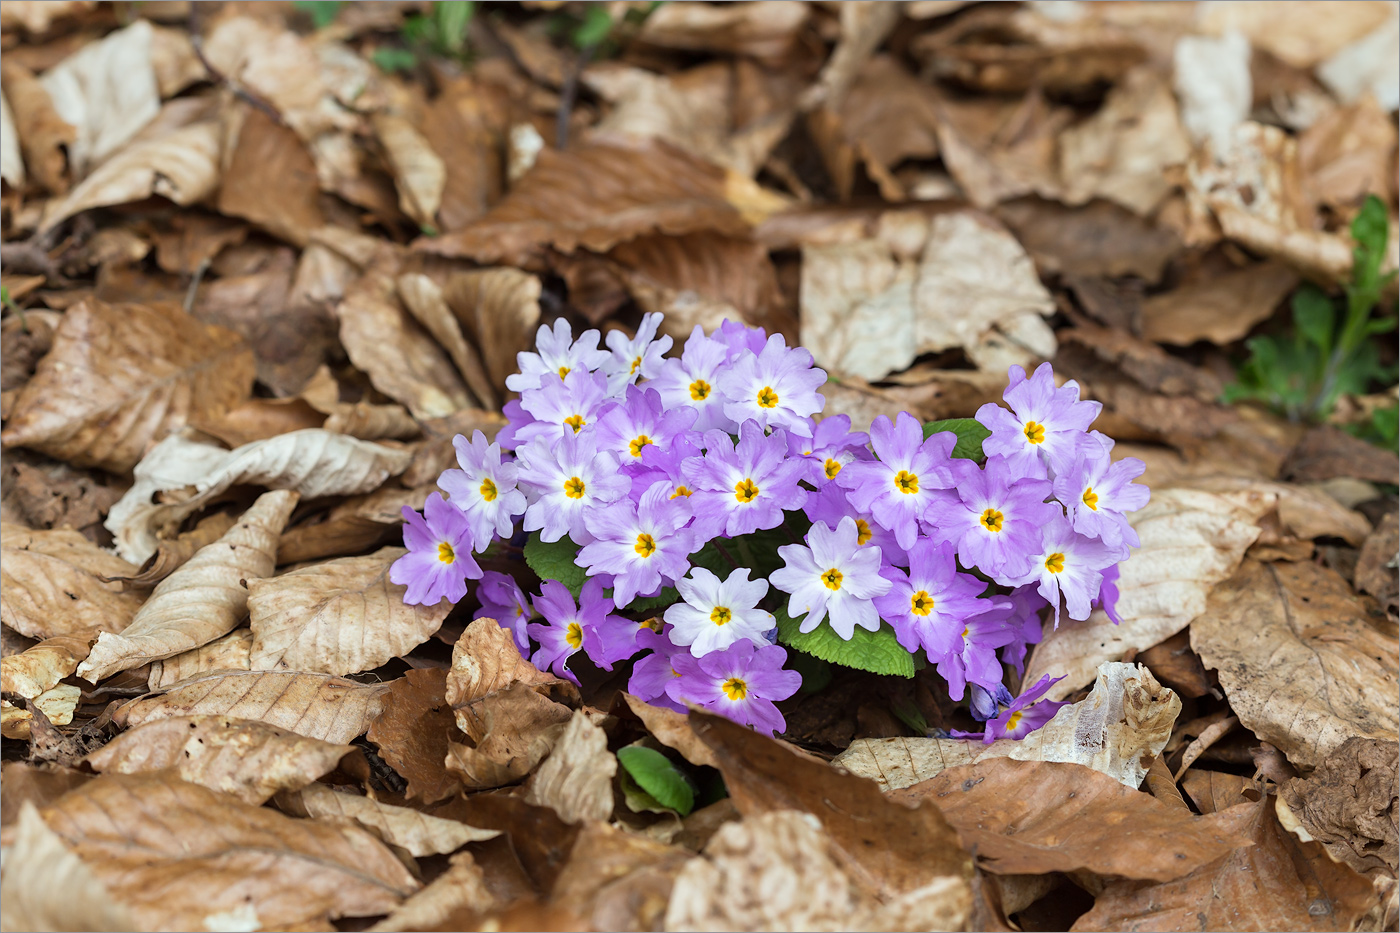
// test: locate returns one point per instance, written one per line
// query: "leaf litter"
(263, 263)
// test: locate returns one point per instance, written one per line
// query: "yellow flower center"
(654, 623)
(636, 365)
(767, 398)
(445, 553)
(563, 371)
(832, 579)
(1035, 433)
(831, 468)
(992, 520)
(1091, 498)
(681, 491)
(735, 689)
(576, 422)
(1013, 720)
(645, 546)
(720, 615)
(964, 634)
(488, 490)
(1055, 562)
(863, 532)
(638, 442)
(906, 482)
(574, 487)
(745, 491)
(574, 635)
(921, 604)
(699, 390)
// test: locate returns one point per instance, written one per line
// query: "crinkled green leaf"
(555, 561)
(659, 777)
(877, 652)
(970, 433)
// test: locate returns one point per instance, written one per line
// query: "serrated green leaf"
(877, 652)
(1370, 229)
(555, 561)
(970, 433)
(597, 23)
(667, 597)
(322, 12)
(452, 17)
(392, 59)
(1315, 316)
(659, 777)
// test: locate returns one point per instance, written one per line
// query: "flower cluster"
(711, 516)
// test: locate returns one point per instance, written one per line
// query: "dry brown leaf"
(46, 886)
(246, 759)
(173, 553)
(419, 172)
(1304, 511)
(270, 180)
(1349, 805)
(372, 422)
(340, 617)
(317, 706)
(1326, 452)
(1213, 791)
(1301, 34)
(175, 61)
(1343, 157)
(864, 27)
(617, 879)
(999, 150)
(672, 729)
(11, 162)
(462, 887)
(417, 833)
(120, 377)
(486, 660)
(412, 733)
(230, 653)
(1299, 659)
(1191, 540)
(36, 16)
(37, 129)
(1375, 565)
(424, 300)
(215, 860)
(52, 584)
(517, 726)
(1098, 239)
(1218, 308)
(56, 703)
(575, 781)
(464, 121)
(1117, 729)
(205, 599)
(358, 523)
(500, 309)
(38, 669)
(39, 784)
(766, 31)
(1029, 817)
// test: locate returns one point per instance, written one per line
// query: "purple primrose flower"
(740, 682)
(741, 488)
(1096, 491)
(716, 613)
(1044, 421)
(439, 559)
(927, 607)
(559, 354)
(696, 381)
(833, 575)
(569, 629)
(993, 518)
(502, 599)
(566, 480)
(484, 488)
(1069, 565)
(900, 485)
(777, 388)
(646, 547)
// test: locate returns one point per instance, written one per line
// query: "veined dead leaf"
(246, 759)
(56, 703)
(11, 162)
(424, 300)
(120, 377)
(40, 134)
(230, 653)
(340, 617)
(617, 879)
(417, 833)
(174, 552)
(216, 856)
(672, 729)
(203, 600)
(500, 309)
(39, 669)
(372, 422)
(517, 726)
(270, 180)
(1302, 665)
(46, 886)
(461, 888)
(358, 523)
(1348, 805)
(51, 584)
(486, 660)
(1221, 308)
(767, 31)
(412, 733)
(317, 706)
(575, 781)
(419, 172)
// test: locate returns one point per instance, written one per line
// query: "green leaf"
(1315, 316)
(816, 673)
(555, 561)
(452, 18)
(1370, 230)
(667, 597)
(658, 776)
(970, 434)
(322, 12)
(877, 652)
(597, 23)
(392, 59)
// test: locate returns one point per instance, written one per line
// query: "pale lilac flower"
(740, 682)
(738, 337)
(568, 629)
(833, 575)
(646, 547)
(1026, 605)
(739, 489)
(831, 445)
(640, 357)
(831, 503)
(974, 656)
(559, 354)
(777, 388)
(716, 613)
(1022, 716)
(484, 488)
(666, 466)
(696, 381)
(899, 486)
(1044, 421)
(439, 559)
(1096, 491)
(563, 406)
(641, 421)
(653, 672)
(1108, 595)
(992, 518)
(502, 599)
(1070, 565)
(927, 607)
(566, 481)
(517, 419)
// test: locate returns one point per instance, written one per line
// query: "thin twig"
(218, 77)
(568, 93)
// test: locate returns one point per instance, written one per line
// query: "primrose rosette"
(689, 516)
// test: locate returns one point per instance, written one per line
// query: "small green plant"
(321, 12)
(594, 31)
(443, 31)
(1330, 353)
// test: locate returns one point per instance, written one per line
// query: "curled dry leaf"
(358, 523)
(340, 617)
(412, 733)
(1326, 452)
(38, 669)
(419, 172)
(230, 653)
(766, 31)
(485, 660)
(619, 880)
(1191, 540)
(203, 600)
(317, 706)
(215, 856)
(40, 132)
(46, 886)
(52, 583)
(672, 729)
(1349, 804)
(1375, 565)
(371, 422)
(424, 300)
(1117, 729)
(462, 888)
(499, 308)
(246, 759)
(11, 162)
(1035, 817)
(417, 833)
(1299, 658)
(56, 703)
(120, 377)
(517, 726)
(575, 781)
(174, 552)
(1221, 308)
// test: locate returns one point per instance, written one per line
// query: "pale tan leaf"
(672, 729)
(1117, 729)
(205, 599)
(183, 855)
(11, 162)
(1302, 34)
(57, 704)
(500, 309)
(51, 584)
(1302, 664)
(576, 779)
(46, 886)
(766, 31)
(121, 377)
(243, 758)
(425, 301)
(42, 135)
(486, 660)
(1191, 540)
(175, 61)
(371, 422)
(340, 617)
(37, 16)
(14, 721)
(40, 668)
(174, 552)
(318, 706)
(417, 833)
(461, 887)
(518, 728)
(419, 172)
(230, 653)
